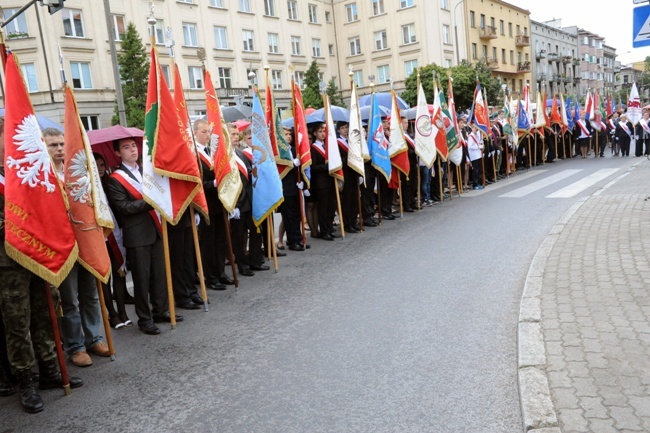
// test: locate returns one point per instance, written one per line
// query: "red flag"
(88, 204)
(301, 135)
(556, 117)
(38, 233)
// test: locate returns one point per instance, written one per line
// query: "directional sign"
(641, 27)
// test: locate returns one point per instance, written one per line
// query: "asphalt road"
(410, 327)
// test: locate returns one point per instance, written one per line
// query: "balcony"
(488, 32)
(491, 62)
(553, 57)
(541, 54)
(523, 66)
(575, 62)
(565, 79)
(576, 80)
(233, 91)
(522, 40)
(541, 77)
(566, 59)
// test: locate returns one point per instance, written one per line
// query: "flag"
(169, 169)
(451, 137)
(609, 107)
(527, 105)
(334, 161)
(38, 233)
(377, 140)
(540, 120)
(356, 138)
(226, 173)
(523, 123)
(634, 113)
(453, 140)
(438, 121)
(576, 109)
(479, 110)
(199, 201)
(589, 107)
(301, 140)
(397, 147)
(425, 132)
(89, 211)
(563, 113)
(567, 112)
(267, 186)
(281, 149)
(556, 117)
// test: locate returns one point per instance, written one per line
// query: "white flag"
(356, 139)
(425, 132)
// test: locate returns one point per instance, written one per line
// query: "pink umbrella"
(242, 124)
(101, 141)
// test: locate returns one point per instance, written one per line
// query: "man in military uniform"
(26, 319)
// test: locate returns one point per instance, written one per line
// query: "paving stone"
(572, 420)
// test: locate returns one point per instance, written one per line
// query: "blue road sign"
(641, 27)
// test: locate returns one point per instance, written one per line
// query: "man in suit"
(142, 238)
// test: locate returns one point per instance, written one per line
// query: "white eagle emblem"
(34, 168)
(81, 187)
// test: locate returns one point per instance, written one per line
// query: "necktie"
(207, 150)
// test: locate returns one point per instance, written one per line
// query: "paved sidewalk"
(584, 331)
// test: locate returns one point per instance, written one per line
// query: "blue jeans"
(81, 312)
(425, 182)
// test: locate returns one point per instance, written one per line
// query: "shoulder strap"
(121, 177)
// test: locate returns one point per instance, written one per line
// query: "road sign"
(641, 27)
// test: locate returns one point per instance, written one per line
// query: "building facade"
(556, 65)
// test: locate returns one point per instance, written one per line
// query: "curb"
(537, 408)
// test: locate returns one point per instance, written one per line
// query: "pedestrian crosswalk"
(580, 185)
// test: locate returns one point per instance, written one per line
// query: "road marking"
(582, 184)
(543, 183)
(505, 182)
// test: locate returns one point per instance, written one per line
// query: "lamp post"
(456, 31)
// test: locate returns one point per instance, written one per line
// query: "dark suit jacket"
(211, 194)
(133, 215)
(245, 200)
(320, 175)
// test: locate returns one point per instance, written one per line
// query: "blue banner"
(377, 140)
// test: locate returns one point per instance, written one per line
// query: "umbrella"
(231, 113)
(310, 118)
(410, 113)
(339, 114)
(43, 121)
(101, 141)
(365, 112)
(309, 110)
(384, 99)
(242, 124)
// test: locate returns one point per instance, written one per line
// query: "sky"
(611, 19)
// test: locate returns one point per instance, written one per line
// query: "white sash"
(584, 129)
(645, 126)
(625, 128)
(134, 183)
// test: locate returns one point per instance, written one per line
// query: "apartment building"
(593, 61)
(498, 33)
(557, 63)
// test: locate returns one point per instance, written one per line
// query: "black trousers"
(326, 207)
(149, 284)
(213, 247)
(349, 201)
(290, 211)
(368, 192)
(181, 252)
(244, 232)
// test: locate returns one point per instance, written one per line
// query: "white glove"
(197, 219)
(235, 214)
(300, 185)
(306, 193)
(215, 183)
(361, 181)
(296, 162)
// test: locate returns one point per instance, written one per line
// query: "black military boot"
(6, 387)
(49, 376)
(29, 398)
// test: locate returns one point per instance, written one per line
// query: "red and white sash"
(248, 152)
(625, 128)
(2, 184)
(584, 129)
(410, 141)
(645, 126)
(207, 160)
(241, 165)
(343, 143)
(321, 151)
(135, 189)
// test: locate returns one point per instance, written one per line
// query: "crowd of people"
(136, 244)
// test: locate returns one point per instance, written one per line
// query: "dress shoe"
(280, 253)
(327, 237)
(296, 247)
(150, 329)
(29, 398)
(351, 230)
(260, 268)
(389, 217)
(189, 305)
(335, 235)
(198, 300)
(225, 279)
(49, 376)
(408, 209)
(100, 349)
(116, 323)
(217, 286)
(81, 359)
(369, 223)
(246, 272)
(167, 318)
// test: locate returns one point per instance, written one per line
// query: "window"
(410, 66)
(18, 27)
(220, 38)
(167, 75)
(512, 57)
(447, 63)
(472, 19)
(274, 46)
(315, 48)
(119, 29)
(269, 8)
(444, 4)
(216, 3)
(196, 77)
(89, 122)
(383, 74)
(502, 28)
(313, 14)
(408, 34)
(503, 56)
(296, 48)
(377, 7)
(482, 22)
(405, 3)
(484, 51)
(351, 12)
(300, 78)
(276, 79)
(510, 29)
(355, 46)
(247, 37)
(518, 29)
(185, 1)
(225, 78)
(328, 18)
(245, 6)
(160, 32)
(81, 78)
(494, 53)
(446, 38)
(525, 30)
(29, 73)
(381, 41)
(474, 54)
(357, 77)
(331, 49)
(518, 56)
(189, 35)
(293, 9)
(72, 23)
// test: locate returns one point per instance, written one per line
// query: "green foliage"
(464, 76)
(134, 74)
(311, 96)
(334, 94)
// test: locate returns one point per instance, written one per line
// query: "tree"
(311, 96)
(134, 74)
(334, 94)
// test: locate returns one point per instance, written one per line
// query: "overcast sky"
(611, 19)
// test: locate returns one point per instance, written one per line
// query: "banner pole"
(168, 274)
(199, 260)
(107, 326)
(57, 339)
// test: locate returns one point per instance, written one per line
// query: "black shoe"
(150, 329)
(189, 305)
(246, 272)
(327, 238)
(280, 253)
(49, 377)
(351, 230)
(389, 217)
(408, 209)
(296, 247)
(369, 223)
(335, 235)
(198, 300)
(167, 318)
(6, 387)
(29, 398)
(260, 268)
(225, 279)
(217, 286)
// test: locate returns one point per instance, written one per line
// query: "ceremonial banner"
(556, 117)
(281, 149)
(267, 186)
(301, 140)
(170, 173)
(453, 141)
(226, 173)
(567, 113)
(334, 161)
(523, 123)
(479, 111)
(425, 132)
(397, 147)
(563, 115)
(439, 120)
(38, 233)
(89, 212)
(377, 140)
(356, 138)
(634, 112)
(540, 119)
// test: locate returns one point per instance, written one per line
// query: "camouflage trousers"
(26, 318)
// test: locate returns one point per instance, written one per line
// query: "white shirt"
(135, 172)
(474, 145)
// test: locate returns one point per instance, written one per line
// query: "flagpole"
(459, 181)
(271, 231)
(231, 256)
(301, 198)
(107, 326)
(351, 75)
(377, 182)
(419, 180)
(442, 191)
(199, 260)
(57, 339)
(530, 157)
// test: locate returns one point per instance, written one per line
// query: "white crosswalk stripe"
(543, 183)
(582, 184)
